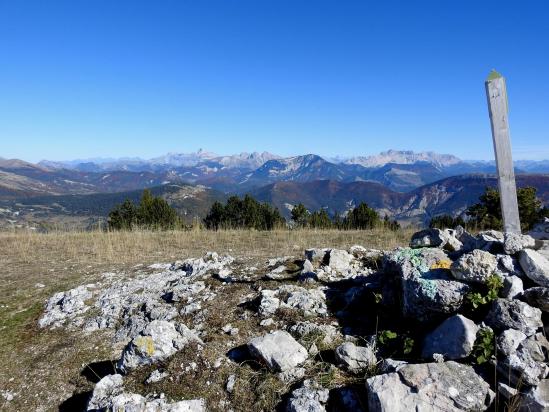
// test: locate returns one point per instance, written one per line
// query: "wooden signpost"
(496, 94)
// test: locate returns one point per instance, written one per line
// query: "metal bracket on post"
(496, 93)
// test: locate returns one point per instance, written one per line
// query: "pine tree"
(487, 213)
(300, 215)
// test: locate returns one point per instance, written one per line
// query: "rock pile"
(444, 324)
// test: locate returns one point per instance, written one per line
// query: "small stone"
(535, 266)
(231, 381)
(514, 314)
(292, 375)
(158, 341)
(156, 376)
(315, 256)
(391, 365)
(354, 358)
(509, 340)
(308, 398)
(515, 242)
(537, 297)
(307, 267)
(527, 364)
(506, 391)
(512, 287)
(104, 390)
(229, 330)
(476, 266)
(428, 238)
(279, 350)
(266, 322)
(454, 339)
(536, 399)
(339, 260)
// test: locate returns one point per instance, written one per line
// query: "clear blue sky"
(86, 78)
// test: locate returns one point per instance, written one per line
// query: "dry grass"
(41, 366)
(144, 246)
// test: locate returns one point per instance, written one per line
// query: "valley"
(407, 186)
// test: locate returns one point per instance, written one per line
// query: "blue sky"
(87, 78)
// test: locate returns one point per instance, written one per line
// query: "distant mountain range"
(398, 170)
(409, 186)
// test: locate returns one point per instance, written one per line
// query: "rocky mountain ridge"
(401, 171)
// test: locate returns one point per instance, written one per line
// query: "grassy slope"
(43, 367)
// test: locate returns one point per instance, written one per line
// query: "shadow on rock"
(77, 402)
(241, 355)
(95, 371)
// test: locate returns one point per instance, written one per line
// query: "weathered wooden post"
(496, 94)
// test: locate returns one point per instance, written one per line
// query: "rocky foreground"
(455, 322)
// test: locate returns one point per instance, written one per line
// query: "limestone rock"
(515, 242)
(490, 241)
(535, 266)
(231, 382)
(453, 244)
(428, 238)
(269, 303)
(311, 302)
(308, 398)
(156, 376)
(428, 289)
(315, 256)
(135, 402)
(468, 241)
(514, 314)
(104, 390)
(65, 306)
(279, 350)
(512, 287)
(509, 340)
(509, 266)
(536, 399)
(158, 341)
(527, 364)
(307, 267)
(475, 266)
(389, 365)
(429, 387)
(506, 391)
(339, 260)
(355, 358)
(454, 338)
(537, 297)
(292, 375)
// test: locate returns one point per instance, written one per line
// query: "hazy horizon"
(333, 158)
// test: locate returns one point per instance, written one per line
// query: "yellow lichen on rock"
(145, 344)
(441, 264)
